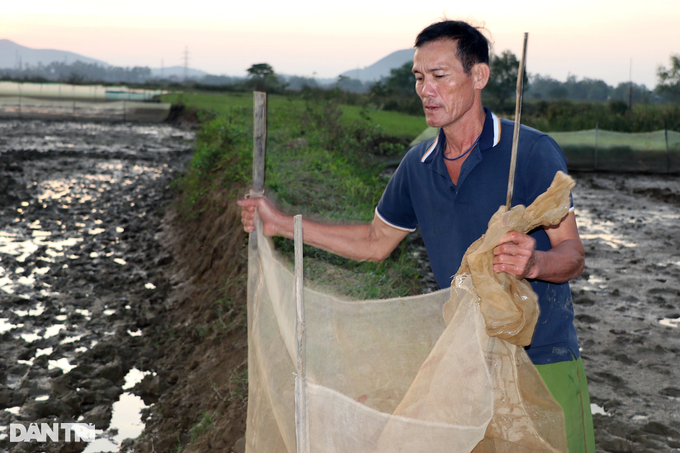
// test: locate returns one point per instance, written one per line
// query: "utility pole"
(186, 64)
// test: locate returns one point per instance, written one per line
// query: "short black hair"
(473, 47)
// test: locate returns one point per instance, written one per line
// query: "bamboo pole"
(301, 420)
(259, 140)
(518, 118)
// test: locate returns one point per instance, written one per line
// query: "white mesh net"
(416, 374)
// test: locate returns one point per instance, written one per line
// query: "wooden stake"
(259, 140)
(518, 118)
(301, 421)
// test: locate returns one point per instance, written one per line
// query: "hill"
(381, 68)
(12, 55)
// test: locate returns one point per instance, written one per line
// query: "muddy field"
(88, 283)
(627, 306)
(81, 271)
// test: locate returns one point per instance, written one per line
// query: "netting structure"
(440, 372)
(596, 149)
(14, 107)
(601, 150)
(80, 102)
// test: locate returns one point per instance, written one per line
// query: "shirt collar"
(491, 136)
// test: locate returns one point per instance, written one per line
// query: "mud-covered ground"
(81, 272)
(91, 283)
(627, 306)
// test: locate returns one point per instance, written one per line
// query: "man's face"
(447, 93)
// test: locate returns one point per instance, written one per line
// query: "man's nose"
(428, 89)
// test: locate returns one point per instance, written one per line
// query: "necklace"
(465, 153)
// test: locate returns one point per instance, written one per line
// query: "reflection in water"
(62, 363)
(598, 410)
(6, 326)
(37, 311)
(126, 420)
(14, 243)
(30, 337)
(670, 322)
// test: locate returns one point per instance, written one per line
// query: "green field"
(392, 123)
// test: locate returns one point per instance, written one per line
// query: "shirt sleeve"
(395, 207)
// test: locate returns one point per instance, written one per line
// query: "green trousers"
(567, 384)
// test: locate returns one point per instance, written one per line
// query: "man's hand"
(271, 217)
(515, 254)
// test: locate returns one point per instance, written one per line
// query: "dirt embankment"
(203, 369)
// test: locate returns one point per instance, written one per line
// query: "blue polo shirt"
(452, 216)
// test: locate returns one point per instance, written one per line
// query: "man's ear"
(480, 74)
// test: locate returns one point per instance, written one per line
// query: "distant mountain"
(13, 54)
(178, 72)
(381, 68)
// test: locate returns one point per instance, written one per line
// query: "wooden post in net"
(259, 149)
(518, 118)
(259, 140)
(301, 411)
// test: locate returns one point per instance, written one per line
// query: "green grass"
(392, 123)
(319, 163)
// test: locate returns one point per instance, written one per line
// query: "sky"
(599, 39)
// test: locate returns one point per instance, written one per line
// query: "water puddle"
(46, 351)
(37, 311)
(598, 410)
(16, 410)
(30, 337)
(670, 322)
(71, 339)
(53, 330)
(6, 326)
(18, 245)
(62, 363)
(126, 420)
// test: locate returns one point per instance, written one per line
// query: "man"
(451, 186)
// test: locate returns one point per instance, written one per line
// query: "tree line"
(393, 92)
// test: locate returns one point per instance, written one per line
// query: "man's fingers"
(248, 206)
(514, 254)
